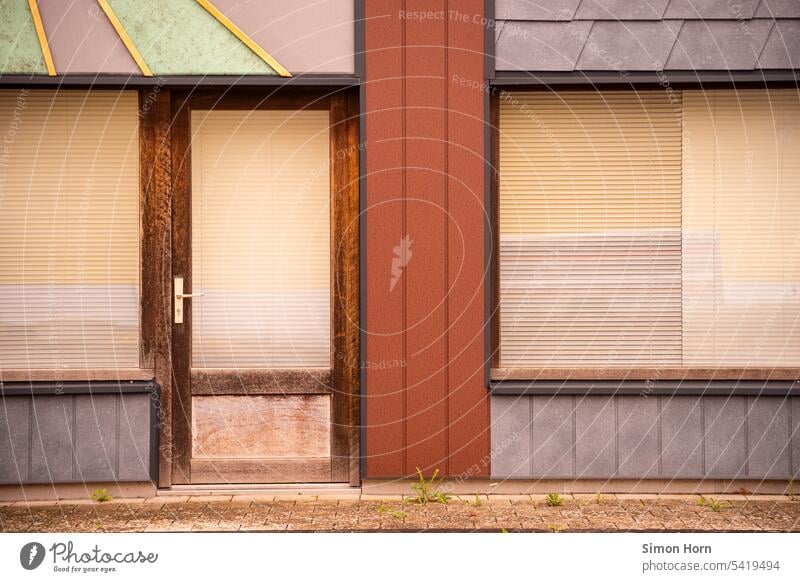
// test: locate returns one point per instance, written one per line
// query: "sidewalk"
(371, 513)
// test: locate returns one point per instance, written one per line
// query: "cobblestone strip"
(368, 513)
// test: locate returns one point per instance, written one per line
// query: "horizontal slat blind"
(741, 221)
(69, 229)
(261, 239)
(590, 242)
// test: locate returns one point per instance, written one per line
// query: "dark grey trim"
(362, 230)
(358, 39)
(645, 387)
(52, 388)
(136, 81)
(489, 31)
(643, 77)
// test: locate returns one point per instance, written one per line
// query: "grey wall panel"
(553, 438)
(638, 436)
(15, 429)
(782, 49)
(511, 415)
(621, 10)
(724, 9)
(719, 45)
(96, 430)
(646, 437)
(541, 46)
(134, 438)
(630, 46)
(768, 447)
(681, 436)
(595, 436)
(56, 438)
(53, 433)
(535, 9)
(778, 9)
(725, 442)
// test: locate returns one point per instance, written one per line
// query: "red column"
(427, 405)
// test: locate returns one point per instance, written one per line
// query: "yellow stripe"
(37, 22)
(249, 42)
(125, 38)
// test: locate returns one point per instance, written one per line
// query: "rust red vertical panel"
(424, 229)
(468, 432)
(385, 319)
(426, 284)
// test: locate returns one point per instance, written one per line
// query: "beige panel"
(261, 239)
(252, 427)
(69, 220)
(590, 214)
(741, 277)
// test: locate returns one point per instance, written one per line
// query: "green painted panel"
(178, 37)
(20, 51)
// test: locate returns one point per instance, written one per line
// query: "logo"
(402, 255)
(31, 555)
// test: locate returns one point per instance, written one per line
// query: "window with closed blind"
(261, 239)
(649, 228)
(69, 229)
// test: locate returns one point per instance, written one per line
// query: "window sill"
(645, 381)
(648, 374)
(76, 375)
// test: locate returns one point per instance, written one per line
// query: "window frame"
(519, 379)
(145, 370)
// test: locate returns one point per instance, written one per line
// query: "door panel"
(256, 214)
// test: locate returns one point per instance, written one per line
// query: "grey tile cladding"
(80, 437)
(647, 35)
(646, 437)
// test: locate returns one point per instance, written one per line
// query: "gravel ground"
(372, 513)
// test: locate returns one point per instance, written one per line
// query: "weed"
(428, 490)
(382, 508)
(503, 530)
(554, 500)
(477, 503)
(101, 495)
(598, 499)
(715, 504)
(401, 515)
(556, 528)
(701, 501)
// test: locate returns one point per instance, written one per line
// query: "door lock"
(179, 296)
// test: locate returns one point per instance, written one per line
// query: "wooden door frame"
(165, 154)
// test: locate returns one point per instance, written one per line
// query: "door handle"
(179, 296)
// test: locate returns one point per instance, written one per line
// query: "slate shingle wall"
(655, 437)
(646, 35)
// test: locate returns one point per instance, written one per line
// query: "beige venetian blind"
(741, 227)
(590, 241)
(69, 219)
(261, 239)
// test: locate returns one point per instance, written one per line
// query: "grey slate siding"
(646, 35)
(76, 437)
(645, 437)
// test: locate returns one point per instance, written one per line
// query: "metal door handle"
(179, 296)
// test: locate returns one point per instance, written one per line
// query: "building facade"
(535, 244)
